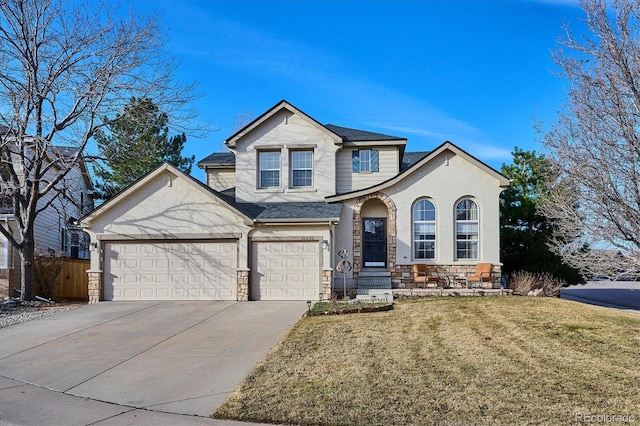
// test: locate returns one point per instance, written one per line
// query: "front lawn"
(454, 361)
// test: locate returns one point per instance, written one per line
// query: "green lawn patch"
(453, 361)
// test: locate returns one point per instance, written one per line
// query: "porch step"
(375, 273)
(380, 295)
(374, 283)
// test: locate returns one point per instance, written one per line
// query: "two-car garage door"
(170, 270)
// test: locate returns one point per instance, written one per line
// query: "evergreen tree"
(524, 232)
(137, 142)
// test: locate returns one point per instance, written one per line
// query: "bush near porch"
(449, 361)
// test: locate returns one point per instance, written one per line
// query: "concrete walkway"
(613, 294)
(135, 362)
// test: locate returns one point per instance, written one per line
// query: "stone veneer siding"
(243, 285)
(327, 279)
(95, 286)
(402, 275)
(357, 231)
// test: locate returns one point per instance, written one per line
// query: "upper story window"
(365, 160)
(301, 169)
(269, 163)
(424, 230)
(467, 228)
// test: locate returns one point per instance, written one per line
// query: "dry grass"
(453, 361)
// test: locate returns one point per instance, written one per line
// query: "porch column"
(243, 285)
(327, 279)
(95, 285)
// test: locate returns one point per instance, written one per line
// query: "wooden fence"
(73, 281)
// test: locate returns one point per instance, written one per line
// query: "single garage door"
(170, 270)
(285, 270)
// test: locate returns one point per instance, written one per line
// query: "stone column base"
(95, 286)
(243, 285)
(327, 279)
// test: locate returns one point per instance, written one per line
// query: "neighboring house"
(274, 213)
(55, 227)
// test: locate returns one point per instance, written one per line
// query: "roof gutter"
(297, 221)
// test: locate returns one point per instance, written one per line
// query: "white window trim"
(260, 170)
(5, 248)
(292, 169)
(368, 161)
(413, 230)
(455, 232)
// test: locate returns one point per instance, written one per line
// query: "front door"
(374, 243)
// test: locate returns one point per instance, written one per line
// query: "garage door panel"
(285, 270)
(170, 270)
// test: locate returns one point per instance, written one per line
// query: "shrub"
(47, 268)
(536, 283)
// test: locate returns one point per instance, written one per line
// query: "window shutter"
(355, 161)
(375, 161)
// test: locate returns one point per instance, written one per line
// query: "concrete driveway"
(170, 357)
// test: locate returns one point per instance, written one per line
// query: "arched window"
(467, 226)
(424, 230)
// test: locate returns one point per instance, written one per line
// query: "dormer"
(220, 170)
(366, 158)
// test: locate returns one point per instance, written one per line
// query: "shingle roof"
(291, 210)
(219, 158)
(64, 151)
(411, 158)
(300, 210)
(354, 135)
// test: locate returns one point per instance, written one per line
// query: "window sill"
(269, 190)
(302, 190)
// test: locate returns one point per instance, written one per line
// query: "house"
(276, 210)
(55, 228)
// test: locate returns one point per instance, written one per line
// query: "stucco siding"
(444, 180)
(348, 181)
(435, 182)
(167, 206)
(221, 179)
(343, 238)
(285, 132)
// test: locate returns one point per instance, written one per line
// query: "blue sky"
(476, 73)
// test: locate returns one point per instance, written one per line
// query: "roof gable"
(147, 181)
(503, 181)
(280, 106)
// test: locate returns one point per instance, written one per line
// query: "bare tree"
(67, 66)
(594, 196)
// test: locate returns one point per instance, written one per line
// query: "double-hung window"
(301, 169)
(424, 230)
(467, 225)
(365, 160)
(269, 163)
